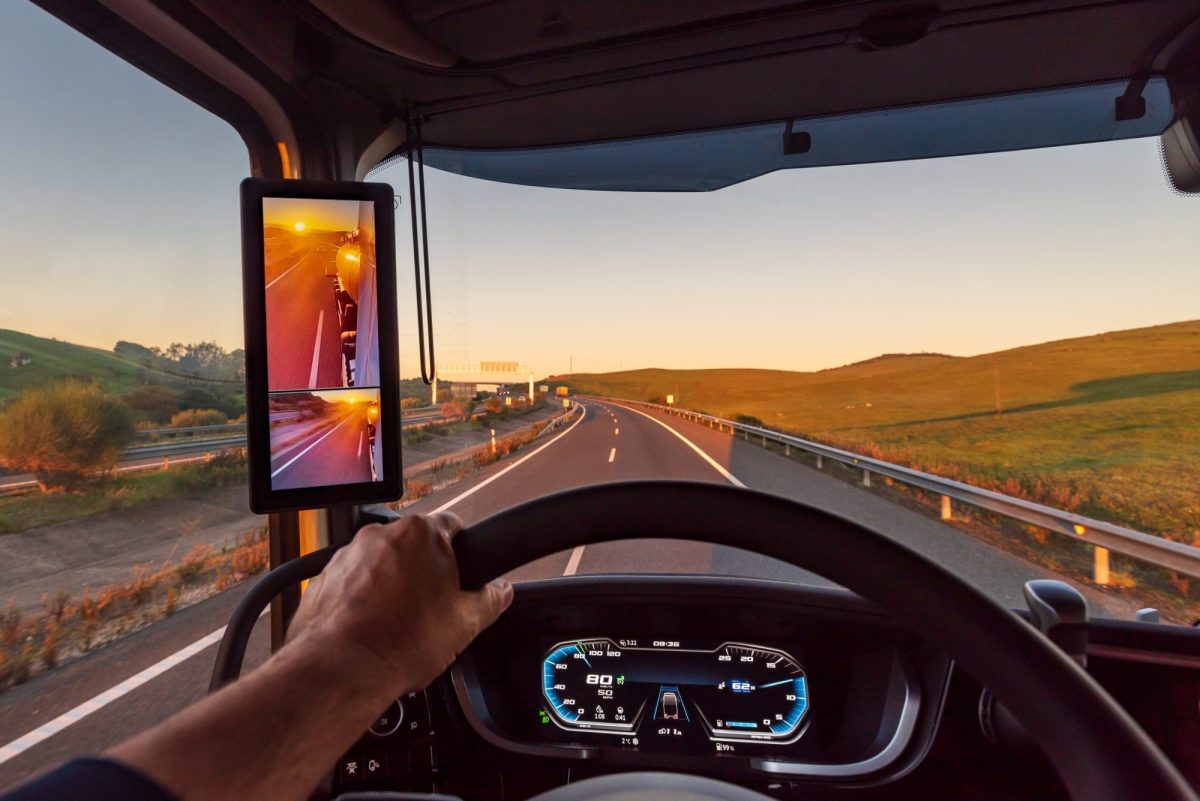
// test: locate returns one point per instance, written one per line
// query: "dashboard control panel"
(672, 694)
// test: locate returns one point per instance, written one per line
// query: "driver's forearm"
(270, 735)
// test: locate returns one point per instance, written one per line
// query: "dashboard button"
(352, 769)
(389, 721)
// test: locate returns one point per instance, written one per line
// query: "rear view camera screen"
(322, 333)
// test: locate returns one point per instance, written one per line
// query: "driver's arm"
(386, 617)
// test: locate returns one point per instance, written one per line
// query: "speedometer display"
(735, 692)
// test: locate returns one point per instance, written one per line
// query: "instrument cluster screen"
(664, 694)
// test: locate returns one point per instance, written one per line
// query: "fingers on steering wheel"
(448, 524)
(482, 607)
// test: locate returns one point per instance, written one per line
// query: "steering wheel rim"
(1100, 752)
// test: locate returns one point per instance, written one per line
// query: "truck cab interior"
(900, 679)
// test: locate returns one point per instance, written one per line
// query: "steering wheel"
(1100, 753)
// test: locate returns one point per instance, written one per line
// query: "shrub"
(189, 418)
(417, 488)
(156, 402)
(494, 405)
(62, 433)
(411, 403)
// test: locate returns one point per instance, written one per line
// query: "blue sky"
(119, 220)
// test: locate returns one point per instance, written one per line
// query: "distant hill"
(51, 360)
(909, 388)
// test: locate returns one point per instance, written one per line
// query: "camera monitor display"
(319, 280)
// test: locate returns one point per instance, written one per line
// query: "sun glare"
(300, 226)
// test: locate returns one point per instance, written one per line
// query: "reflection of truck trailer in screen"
(346, 295)
(354, 292)
(373, 443)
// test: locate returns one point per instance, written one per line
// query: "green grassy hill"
(56, 361)
(53, 361)
(1108, 423)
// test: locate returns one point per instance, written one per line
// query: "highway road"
(303, 330)
(609, 442)
(329, 450)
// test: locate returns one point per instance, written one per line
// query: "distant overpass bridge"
(485, 373)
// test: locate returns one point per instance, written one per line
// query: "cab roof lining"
(531, 73)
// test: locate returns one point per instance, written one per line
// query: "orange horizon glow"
(301, 214)
(351, 396)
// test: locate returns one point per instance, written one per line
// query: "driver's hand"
(388, 606)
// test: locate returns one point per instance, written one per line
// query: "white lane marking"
(573, 562)
(720, 468)
(312, 374)
(517, 463)
(310, 447)
(361, 435)
(97, 702)
(616, 431)
(285, 272)
(612, 455)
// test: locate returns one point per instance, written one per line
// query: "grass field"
(24, 511)
(56, 361)
(1106, 424)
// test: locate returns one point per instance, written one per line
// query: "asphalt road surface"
(303, 330)
(610, 442)
(321, 452)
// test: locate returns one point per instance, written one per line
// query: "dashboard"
(794, 691)
(673, 694)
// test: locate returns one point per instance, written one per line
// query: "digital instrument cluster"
(650, 694)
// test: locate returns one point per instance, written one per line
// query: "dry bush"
(193, 563)
(10, 624)
(418, 488)
(49, 649)
(62, 433)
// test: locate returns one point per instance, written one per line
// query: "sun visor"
(702, 161)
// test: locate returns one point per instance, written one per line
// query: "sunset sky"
(119, 220)
(314, 215)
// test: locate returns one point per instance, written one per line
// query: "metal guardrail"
(1105, 536)
(163, 432)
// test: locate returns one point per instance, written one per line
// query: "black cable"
(412, 208)
(425, 250)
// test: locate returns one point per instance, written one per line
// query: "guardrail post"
(764, 440)
(1100, 573)
(787, 450)
(866, 477)
(166, 463)
(946, 511)
(747, 433)
(818, 461)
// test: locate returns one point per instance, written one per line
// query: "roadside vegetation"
(1106, 425)
(68, 627)
(20, 512)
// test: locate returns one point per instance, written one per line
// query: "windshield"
(1015, 324)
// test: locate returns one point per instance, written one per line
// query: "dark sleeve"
(93, 780)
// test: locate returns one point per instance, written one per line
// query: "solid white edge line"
(310, 447)
(316, 362)
(101, 700)
(285, 272)
(720, 468)
(517, 463)
(573, 562)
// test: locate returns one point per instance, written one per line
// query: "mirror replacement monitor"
(319, 281)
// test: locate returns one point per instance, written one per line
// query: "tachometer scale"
(736, 692)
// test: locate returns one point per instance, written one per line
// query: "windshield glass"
(1016, 325)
